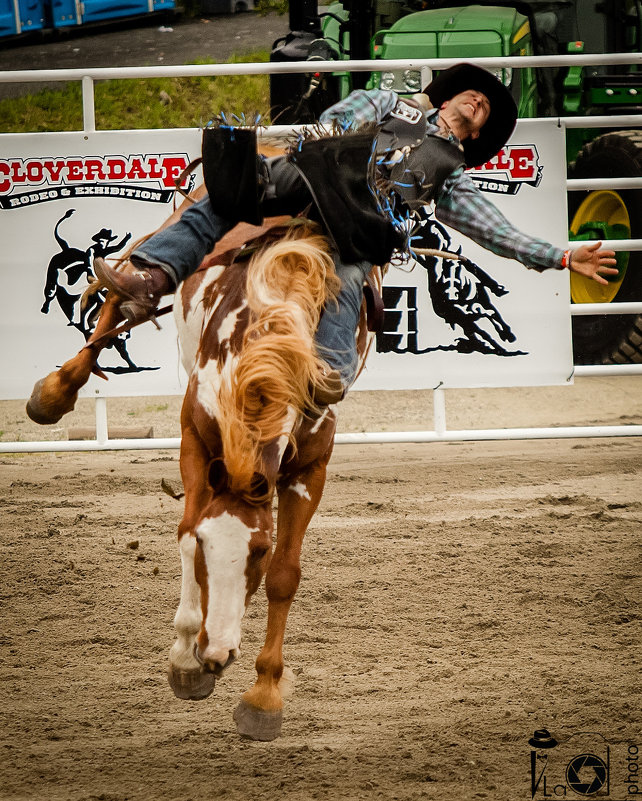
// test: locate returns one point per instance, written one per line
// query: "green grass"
(159, 407)
(142, 104)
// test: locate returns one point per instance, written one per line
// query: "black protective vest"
(355, 177)
(339, 173)
(418, 163)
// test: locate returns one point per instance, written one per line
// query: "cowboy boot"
(141, 288)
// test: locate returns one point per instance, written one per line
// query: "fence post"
(439, 410)
(88, 105)
(102, 430)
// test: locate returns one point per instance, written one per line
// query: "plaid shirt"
(459, 203)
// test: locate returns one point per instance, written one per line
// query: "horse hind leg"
(56, 394)
(502, 327)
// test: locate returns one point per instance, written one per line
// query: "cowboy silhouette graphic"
(68, 275)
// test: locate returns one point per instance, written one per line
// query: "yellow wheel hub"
(608, 209)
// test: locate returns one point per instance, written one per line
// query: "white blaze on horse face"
(225, 542)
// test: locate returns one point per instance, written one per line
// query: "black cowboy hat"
(503, 111)
(542, 738)
(104, 233)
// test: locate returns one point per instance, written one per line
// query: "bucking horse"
(250, 430)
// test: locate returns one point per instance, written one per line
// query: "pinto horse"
(250, 430)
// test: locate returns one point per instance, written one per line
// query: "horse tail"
(288, 284)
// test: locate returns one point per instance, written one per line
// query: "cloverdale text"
(32, 173)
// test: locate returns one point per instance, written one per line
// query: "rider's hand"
(590, 261)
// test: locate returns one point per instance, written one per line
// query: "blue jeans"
(180, 249)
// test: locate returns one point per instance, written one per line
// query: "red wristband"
(566, 259)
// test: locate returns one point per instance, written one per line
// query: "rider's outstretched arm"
(463, 207)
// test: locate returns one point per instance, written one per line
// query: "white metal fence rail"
(441, 433)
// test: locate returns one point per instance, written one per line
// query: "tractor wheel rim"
(606, 207)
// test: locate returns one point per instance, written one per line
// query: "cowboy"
(364, 188)
(103, 243)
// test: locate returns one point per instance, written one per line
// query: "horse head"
(232, 549)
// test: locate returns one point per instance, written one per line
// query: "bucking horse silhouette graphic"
(68, 275)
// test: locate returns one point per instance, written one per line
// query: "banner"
(69, 197)
(65, 199)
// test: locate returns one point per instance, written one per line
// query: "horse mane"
(290, 278)
(288, 283)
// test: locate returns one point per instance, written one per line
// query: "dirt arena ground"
(455, 598)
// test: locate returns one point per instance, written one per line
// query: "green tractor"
(394, 29)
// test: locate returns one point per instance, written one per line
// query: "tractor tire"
(611, 339)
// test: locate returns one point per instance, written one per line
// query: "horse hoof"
(191, 685)
(35, 409)
(257, 724)
(41, 410)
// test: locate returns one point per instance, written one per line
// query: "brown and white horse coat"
(246, 334)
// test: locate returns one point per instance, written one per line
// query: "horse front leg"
(186, 674)
(56, 394)
(260, 712)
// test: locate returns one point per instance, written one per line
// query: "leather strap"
(121, 328)
(374, 305)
